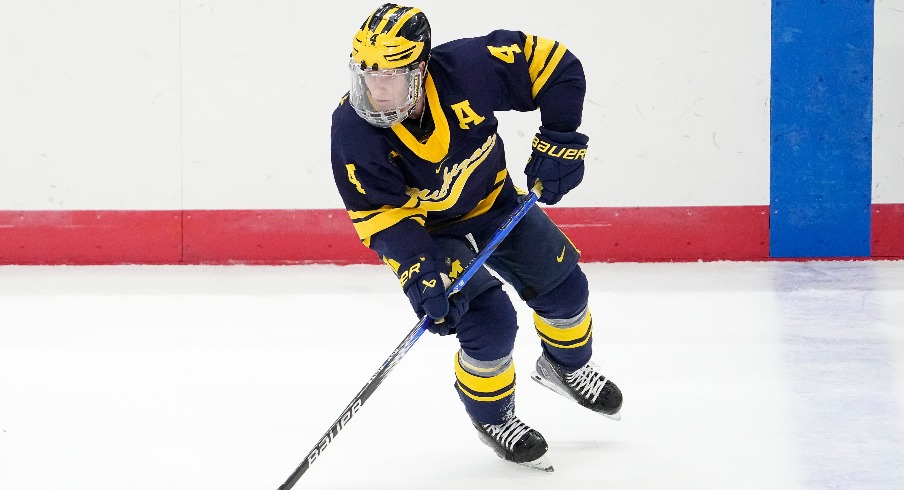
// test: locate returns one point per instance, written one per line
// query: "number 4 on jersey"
(505, 53)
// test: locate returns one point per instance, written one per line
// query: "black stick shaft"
(406, 344)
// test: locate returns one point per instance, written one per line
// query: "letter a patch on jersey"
(466, 115)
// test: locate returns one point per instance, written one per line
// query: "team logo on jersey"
(454, 179)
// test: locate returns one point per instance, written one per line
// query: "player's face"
(388, 88)
(385, 97)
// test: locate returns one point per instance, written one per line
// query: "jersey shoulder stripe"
(543, 56)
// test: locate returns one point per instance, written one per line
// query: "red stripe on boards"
(273, 237)
(90, 237)
(887, 231)
(657, 234)
(641, 234)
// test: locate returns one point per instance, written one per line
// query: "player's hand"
(557, 160)
(423, 283)
(458, 305)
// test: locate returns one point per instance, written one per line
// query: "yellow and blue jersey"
(400, 184)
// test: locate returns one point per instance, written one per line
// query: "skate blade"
(539, 465)
(552, 386)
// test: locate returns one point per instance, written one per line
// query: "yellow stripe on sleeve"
(369, 223)
(544, 55)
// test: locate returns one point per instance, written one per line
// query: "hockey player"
(422, 172)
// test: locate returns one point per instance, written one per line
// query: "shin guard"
(487, 388)
(568, 340)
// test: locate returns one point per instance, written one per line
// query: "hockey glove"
(557, 161)
(421, 280)
(446, 325)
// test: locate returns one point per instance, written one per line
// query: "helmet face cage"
(385, 64)
(384, 97)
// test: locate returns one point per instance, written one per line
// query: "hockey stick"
(409, 341)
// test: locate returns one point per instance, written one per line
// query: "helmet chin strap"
(422, 105)
(420, 120)
(421, 102)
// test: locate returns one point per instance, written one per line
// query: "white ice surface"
(776, 375)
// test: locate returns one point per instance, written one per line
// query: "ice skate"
(586, 386)
(515, 441)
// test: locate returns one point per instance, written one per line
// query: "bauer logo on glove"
(421, 280)
(556, 151)
(412, 271)
(557, 161)
(424, 281)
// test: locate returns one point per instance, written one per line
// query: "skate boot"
(586, 386)
(515, 441)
